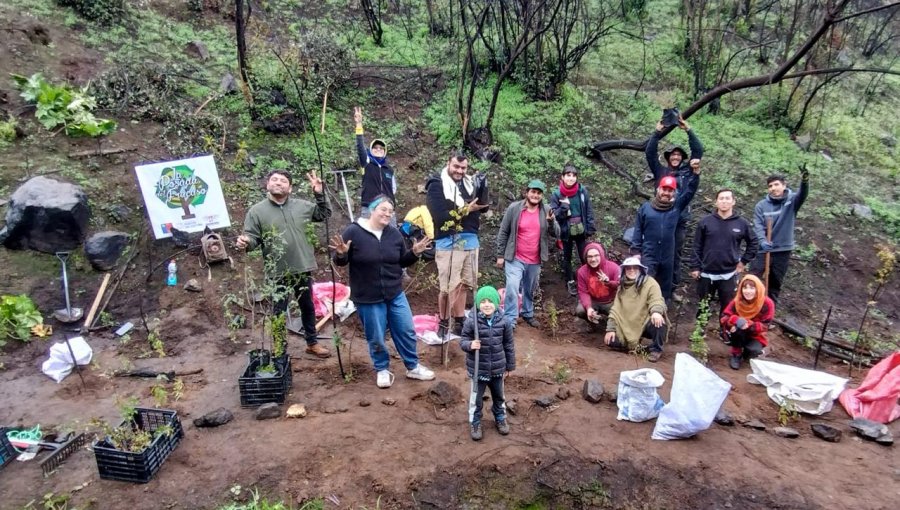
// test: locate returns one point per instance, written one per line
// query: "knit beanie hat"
(487, 292)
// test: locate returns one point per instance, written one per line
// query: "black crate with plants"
(136, 449)
(268, 376)
(7, 452)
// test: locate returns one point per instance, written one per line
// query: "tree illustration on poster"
(179, 187)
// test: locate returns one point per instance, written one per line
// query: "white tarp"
(697, 394)
(185, 194)
(808, 391)
(60, 363)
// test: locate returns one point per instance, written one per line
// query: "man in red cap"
(654, 228)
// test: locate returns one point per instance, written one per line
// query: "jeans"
(520, 275)
(570, 242)
(725, 289)
(476, 400)
(300, 285)
(395, 315)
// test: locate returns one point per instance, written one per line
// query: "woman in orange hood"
(746, 319)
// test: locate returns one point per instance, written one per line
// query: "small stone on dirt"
(512, 406)
(364, 403)
(388, 401)
(826, 432)
(872, 430)
(612, 396)
(443, 394)
(755, 424)
(786, 432)
(592, 391)
(220, 416)
(723, 417)
(296, 411)
(268, 411)
(546, 401)
(335, 410)
(861, 210)
(563, 393)
(420, 189)
(193, 285)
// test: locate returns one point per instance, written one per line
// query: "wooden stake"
(90, 315)
(768, 253)
(324, 106)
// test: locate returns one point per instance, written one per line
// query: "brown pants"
(457, 275)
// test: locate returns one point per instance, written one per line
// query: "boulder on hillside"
(103, 249)
(46, 215)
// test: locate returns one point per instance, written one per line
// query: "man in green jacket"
(523, 244)
(280, 218)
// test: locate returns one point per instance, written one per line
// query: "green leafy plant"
(699, 347)
(156, 342)
(278, 330)
(553, 318)
(105, 12)
(561, 372)
(60, 105)
(17, 316)
(128, 437)
(159, 392)
(787, 412)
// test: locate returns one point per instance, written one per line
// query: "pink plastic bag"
(876, 397)
(322, 294)
(423, 323)
(502, 292)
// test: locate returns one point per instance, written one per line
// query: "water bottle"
(172, 280)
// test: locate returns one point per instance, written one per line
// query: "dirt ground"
(412, 454)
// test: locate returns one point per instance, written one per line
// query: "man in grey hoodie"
(773, 225)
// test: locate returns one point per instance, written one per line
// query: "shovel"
(68, 314)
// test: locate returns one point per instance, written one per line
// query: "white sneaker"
(384, 379)
(421, 373)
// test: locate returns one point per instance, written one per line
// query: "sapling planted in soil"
(699, 347)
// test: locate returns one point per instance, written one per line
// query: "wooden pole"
(90, 315)
(324, 106)
(768, 254)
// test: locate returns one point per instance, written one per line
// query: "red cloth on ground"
(876, 398)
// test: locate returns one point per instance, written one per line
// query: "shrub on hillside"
(104, 12)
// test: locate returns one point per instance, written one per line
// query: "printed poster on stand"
(184, 194)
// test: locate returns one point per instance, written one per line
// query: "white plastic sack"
(60, 363)
(808, 391)
(697, 394)
(637, 399)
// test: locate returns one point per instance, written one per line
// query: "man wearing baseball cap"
(523, 244)
(655, 225)
(639, 311)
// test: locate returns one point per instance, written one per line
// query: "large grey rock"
(103, 249)
(197, 49)
(444, 394)
(826, 432)
(268, 411)
(220, 416)
(546, 401)
(592, 391)
(46, 215)
(872, 430)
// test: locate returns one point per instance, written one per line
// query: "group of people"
(633, 297)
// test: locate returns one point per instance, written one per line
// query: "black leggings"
(568, 243)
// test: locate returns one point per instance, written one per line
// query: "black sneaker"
(442, 328)
(531, 321)
(502, 427)
(476, 432)
(735, 362)
(573, 287)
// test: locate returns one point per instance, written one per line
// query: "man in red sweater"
(598, 280)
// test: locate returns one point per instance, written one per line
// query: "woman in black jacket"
(377, 254)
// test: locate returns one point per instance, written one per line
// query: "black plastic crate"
(256, 391)
(115, 464)
(7, 452)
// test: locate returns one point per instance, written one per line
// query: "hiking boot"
(458, 325)
(421, 373)
(318, 350)
(531, 321)
(502, 427)
(442, 328)
(475, 432)
(573, 287)
(654, 356)
(384, 379)
(735, 362)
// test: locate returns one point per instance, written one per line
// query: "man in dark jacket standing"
(455, 201)
(679, 166)
(280, 218)
(654, 229)
(523, 244)
(717, 261)
(773, 224)
(378, 176)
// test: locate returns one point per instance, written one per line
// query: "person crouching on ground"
(497, 358)
(746, 319)
(598, 280)
(376, 253)
(638, 311)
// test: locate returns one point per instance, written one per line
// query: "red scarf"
(567, 191)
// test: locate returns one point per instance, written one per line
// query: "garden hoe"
(68, 314)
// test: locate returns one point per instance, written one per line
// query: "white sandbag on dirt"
(60, 363)
(637, 397)
(808, 391)
(697, 394)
